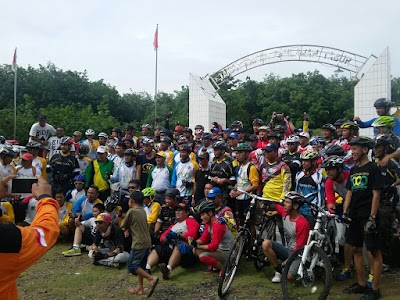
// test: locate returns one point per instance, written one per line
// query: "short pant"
(137, 259)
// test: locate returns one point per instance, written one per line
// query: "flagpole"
(155, 86)
(15, 103)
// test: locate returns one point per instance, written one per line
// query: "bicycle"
(310, 266)
(242, 239)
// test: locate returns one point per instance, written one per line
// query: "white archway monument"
(206, 106)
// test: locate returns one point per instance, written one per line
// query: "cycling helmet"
(149, 192)
(79, 178)
(362, 141)
(263, 127)
(333, 162)
(147, 141)
(382, 102)
(274, 134)
(206, 206)
(83, 149)
(6, 151)
(339, 122)
(220, 145)
(280, 128)
(112, 145)
(111, 200)
(129, 127)
(66, 140)
(33, 145)
(172, 193)
(334, 150)
(199, 127)
(187, 129)
(90, 131)
(103, 134)
(117, 130)
(146, 126)
(296, 198)
(349, 125)
(258, 121)
(384, 121)
(185, 147)
(383, 140)
(181, 139)
(309, 155)
(237, 124)
(329, 126)
(207, 136)
(130, 151)
(166, 139)
(2, 139)
(293, 139)
(243, 147)
(317, 140)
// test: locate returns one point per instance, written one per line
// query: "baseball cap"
(252, 138)
(101, 149)
(233, 135)
(27, 156)
(77, 133)
(182, 206)
(271, 147)
(214, 192)
(162, 154)
(104, 217)
(228, 130)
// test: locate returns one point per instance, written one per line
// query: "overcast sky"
(113, 40)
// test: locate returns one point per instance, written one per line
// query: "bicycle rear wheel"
(230, 266)
(315, 279)
(267, 232)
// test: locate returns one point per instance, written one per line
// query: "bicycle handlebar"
(254, 196)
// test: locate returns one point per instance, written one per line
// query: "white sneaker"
(277, 278)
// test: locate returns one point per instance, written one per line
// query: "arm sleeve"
(366, 124)
(205, 237)
(302, 230)
(279, 210)
(127, 220)
(218, 233)
(287, 180)
(193, 228)
(152, 218)
(305, 125)
(173, 180)
(115, 176)
(77, 206)
(254, 176)
(329, 192)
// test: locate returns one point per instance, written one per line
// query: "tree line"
(70, 99)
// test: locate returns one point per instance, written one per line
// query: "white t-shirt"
(53, 146)
(160, 178)
(6, 170)
(91, 223)
(42, 133)
(75, 195)
(83, 164)
(31, 210)
(22, 172)
(36, 162)
(62, 213)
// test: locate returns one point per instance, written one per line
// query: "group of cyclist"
(167, 199)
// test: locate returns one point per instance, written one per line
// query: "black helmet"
(220, 145)
(66, 140)
(2, 139)
(206, 206)
(237, 124)
(274, 134)
(187, 129)
(383, 140)
(185, 147)
(329, 126)
(207, 136)
(333, 162)
(243, 147)
(130, 151)
(129, 127)
(117, 130)
(296, 198)
(258, 121)
(172, 193)
(166, 139)
(362, 141)
(339, 122)
(34, 145)
(83, 149)
(111, 200)
(382, 102)
(335, 150)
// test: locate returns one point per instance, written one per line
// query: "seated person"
(82, 209)
(151, 207)
(78, 192)
(213, 246)
(174, 249)
(64, 214)
(6, 213)
(108, 248)
(133, 185)
(29, 203)
(166, 217)
(296, 228)
(221, 210)
(85, 232)
(112, 207)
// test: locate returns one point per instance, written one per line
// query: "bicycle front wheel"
(311, 279)
(267, 232)
(230, 266)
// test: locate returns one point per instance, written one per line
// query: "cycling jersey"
(146, 165)
(166, 217)
(7, 215)
(160, 178)
(246, 176)
(292, 159)
(124, 175)
(83, 164)
(64, 167)
(96, 174)
(183, 174)
(257, 158)
(222, 168)
(276, 179)
(217, 236)
(335, 190)
(84, 207)
(63, 214)
(311, 184)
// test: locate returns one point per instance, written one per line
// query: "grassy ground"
(55, 277)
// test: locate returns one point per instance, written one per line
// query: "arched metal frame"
(305, 53)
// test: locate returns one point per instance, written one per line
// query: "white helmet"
(90, 131)
(293, 139)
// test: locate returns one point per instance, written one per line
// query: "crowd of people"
(165, 198)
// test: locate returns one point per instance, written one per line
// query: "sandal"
(152, 287)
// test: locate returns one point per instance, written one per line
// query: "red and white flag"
(14, 62)
(155, 41)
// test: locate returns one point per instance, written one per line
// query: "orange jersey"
(21, 247)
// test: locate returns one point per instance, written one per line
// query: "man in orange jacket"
(21, 247)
